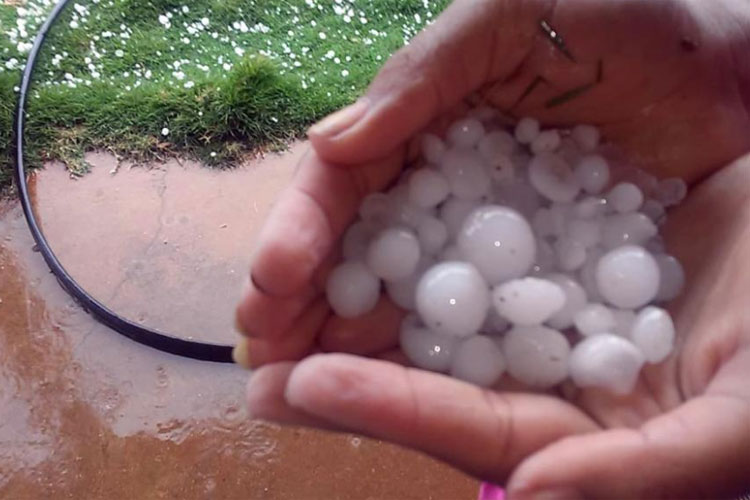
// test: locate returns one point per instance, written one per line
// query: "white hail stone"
(628, 277)
(606, 361)
(536, 355)
(528, 301)
(352, 289)
(453, 299)
(499, 242)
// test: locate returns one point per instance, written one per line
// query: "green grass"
(224, 77)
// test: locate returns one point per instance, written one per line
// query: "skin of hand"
(673, 97)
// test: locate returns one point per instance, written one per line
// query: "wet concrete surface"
(168, 246)
(88, 414)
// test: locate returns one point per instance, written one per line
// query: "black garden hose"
(152, 338)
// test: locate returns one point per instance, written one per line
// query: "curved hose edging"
(151, 338)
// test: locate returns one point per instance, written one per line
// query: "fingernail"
(340, 120)
(241, 354)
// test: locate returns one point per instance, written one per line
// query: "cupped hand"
(672, 95)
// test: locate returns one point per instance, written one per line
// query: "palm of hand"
(670, 90)
(658, 93)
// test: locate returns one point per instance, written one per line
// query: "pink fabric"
(489, 491)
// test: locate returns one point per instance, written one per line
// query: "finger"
(296, 244)
(310, 217)
(472, 42)
(264, 316)
(700, 450)
(370, 334)
(483, 432)
(264, 396)
(289, 347)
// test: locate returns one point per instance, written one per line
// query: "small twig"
(569, 95)
(577, 91)
(556, 39)
(534, 84)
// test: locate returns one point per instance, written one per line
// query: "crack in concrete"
(85, 335)
(161, 189)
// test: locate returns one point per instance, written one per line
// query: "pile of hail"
(522, 251)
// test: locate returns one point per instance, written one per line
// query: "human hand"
(683, 432)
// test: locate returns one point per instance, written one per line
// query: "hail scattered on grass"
(320, 53)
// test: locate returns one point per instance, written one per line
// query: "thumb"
(473, 42)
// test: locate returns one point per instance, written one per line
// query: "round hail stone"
(653, 333)
(453, 299)
(465, 133)
(352, 290)
(628, 277)
(466, 173)
(625, 197)
(670, 192)
(627, 229)
(355, 242)
(499, 242)
(528, 301)
(433, 148)
(606, 361)
(547, 141)
(393, 254)
(432, 234)
(497, 144)
(527, 130)
(428, 188)
(575, 300)
(672, 278)
(403, 292)
(586, 137)
(571, 254)
(553, 178)
(406, 214)
(479, 360)
(595, 319)
(536, 355)
(592, 173)
(426, 349)
(590, 207)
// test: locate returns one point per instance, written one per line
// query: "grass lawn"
(212, 79)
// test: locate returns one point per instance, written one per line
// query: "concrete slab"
(87, 414)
